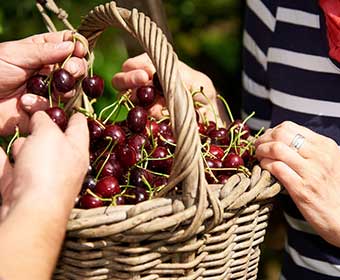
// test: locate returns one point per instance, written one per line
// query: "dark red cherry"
(95, 129)
(93, 86)
(89, 183)
(167, 141)
(211, 125)
(88, 201)
(126, 155)
(219, 136)
(138, 141)
(223, 179)
(119, 200)
(136, 119)
(239, 127)
(160, 181)
(152, 128)
(159, 161)
(216, 151)
(111, 168)
(146, 96)
(107, 187)
(63, 81)
(136, 195)
(165, 127)
(115, 132)
(233, 161)
(58, 115)
(138, 175)
(37, 84)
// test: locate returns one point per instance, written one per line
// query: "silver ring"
(297, 142)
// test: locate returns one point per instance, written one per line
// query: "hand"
(49, 166)
(310, 175)
(19, 60)
(139, 70)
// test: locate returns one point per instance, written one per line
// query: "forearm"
(31, 237)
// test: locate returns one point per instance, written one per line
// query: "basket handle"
(188, 167)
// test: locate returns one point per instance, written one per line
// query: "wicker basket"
(199, 231)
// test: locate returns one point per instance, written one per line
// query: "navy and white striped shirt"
(288, 75)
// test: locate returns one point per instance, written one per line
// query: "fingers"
(132, 79)
(41, 123)
(76, 66)
(4, 164)
(77, 132)
(80, 49)
(139, 62)
(32, 103)
(278, 151)
(17, 145)
(287, 176)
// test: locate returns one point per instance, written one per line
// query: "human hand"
(49, 166)
(138, 71)
(19, 60)
(310, 174)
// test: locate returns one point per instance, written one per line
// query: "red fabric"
(331, 9)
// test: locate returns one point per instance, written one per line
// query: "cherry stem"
(114, 105)
(103, 152)
(50, 91)
(97, 196)
(15, 137)
(107, 158)
(226, 106)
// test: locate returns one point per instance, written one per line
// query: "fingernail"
(28, 100)
(64, 45)
(72, 67)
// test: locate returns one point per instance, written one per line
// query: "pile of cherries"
(132, 159)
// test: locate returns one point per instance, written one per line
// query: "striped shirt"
(288, 75)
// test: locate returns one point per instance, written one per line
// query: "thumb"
(35, 55)
(77, 132)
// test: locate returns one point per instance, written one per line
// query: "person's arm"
(310, 174)
(38, 195)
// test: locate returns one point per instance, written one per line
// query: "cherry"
(37, 85)
(152, 128)
(136, 195)
(233, 161)
(107, 187)
(88, 201)
(167, 141)
(62, 80)
(239, 127)
(115, 132)
(89, 183)
(136, 177)
(93, 86)
(165, 127)
(160, 181)
(119, 200)
(212, 163)
(138, 141)
(219, 136)
(223, 178)
(159, 163)
(211, 126)
(95, 130)
(216, 151)
(146, 96)
(111, 168)
(136, 119)
(58, 115)
(201, 129)
(126, 155)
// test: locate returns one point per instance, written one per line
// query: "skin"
(39, 190)
(138, 71)
(310, 175)
(37, 54)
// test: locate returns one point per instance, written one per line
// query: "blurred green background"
(207, 36)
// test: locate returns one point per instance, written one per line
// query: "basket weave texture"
(193, 230)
